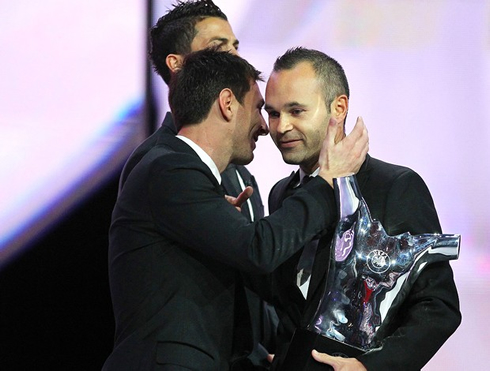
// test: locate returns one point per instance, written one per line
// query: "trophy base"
(298, 357)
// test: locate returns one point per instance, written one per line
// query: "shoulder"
(386, 174)
(399, 198)
(168, 154)
(278, 192)
(279, 188)
(387, 170)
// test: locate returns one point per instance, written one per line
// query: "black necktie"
(306, 179)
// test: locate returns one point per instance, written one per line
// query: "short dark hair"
(327, 69)
(204, 74)
(173, 33)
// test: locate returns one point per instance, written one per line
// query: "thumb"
(244, 196)
(328, 142)
(331, 132)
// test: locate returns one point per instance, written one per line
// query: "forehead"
(296, 84)
(254, 96)
(213, 28)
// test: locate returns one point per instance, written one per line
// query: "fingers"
(331, 132)
(321, 357)
(241, 198)
(232, 200)
(342, 157)
(363, 134)
(244, 196)
(358, 135)
(328, 143)
(338, 363)
(357, 142)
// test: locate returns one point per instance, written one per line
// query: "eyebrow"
(225, 40)
(268, 107)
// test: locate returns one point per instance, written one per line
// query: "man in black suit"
(305, 90)
(178, 247)
(190, 26)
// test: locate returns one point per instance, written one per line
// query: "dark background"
(55, 306)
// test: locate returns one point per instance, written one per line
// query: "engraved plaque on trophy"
(370, 274)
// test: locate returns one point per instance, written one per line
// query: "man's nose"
(264, 129)
(284, 124)
(233, 51)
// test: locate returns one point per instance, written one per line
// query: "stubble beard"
(302, 159)
(243, 158)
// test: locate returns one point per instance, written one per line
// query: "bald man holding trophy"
(376, 287)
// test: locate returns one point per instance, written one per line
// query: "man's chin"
(290, 160)
(244, 160)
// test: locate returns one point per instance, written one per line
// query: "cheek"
(272, 126)
(319, 138)
(272, 131)
(313, 137)
(318, 131)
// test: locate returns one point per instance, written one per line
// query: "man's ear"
(338, 110)
(226, 101)
(339, 107)
(174, 61)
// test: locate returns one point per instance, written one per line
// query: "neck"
(309, 169)
(209, 143)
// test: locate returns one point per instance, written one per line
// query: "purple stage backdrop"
(71, 88)
(72, 84)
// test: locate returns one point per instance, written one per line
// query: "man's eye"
(218, 44)
(273, 114)
(297, 111)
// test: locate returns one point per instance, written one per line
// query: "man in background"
(305, 91)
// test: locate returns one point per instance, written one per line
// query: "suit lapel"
(318, 277)
(232, 187)
(255, 200)
(287, 271)
(229, 181)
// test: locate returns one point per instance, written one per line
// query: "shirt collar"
(302, 174)
(203, 156)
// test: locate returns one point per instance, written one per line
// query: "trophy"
(370, 274)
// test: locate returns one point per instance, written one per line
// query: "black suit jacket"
(176, 251)
(262, 315)
(400, 200)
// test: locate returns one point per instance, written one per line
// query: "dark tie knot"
(306, 179)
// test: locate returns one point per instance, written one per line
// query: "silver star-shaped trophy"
(370, 274)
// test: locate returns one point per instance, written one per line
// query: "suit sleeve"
(187, 207)
(431, 312)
